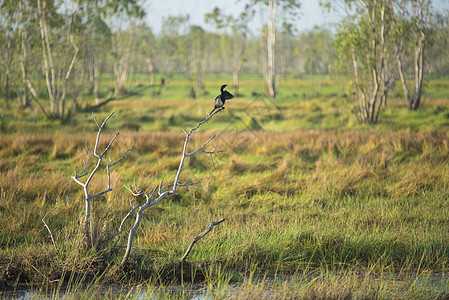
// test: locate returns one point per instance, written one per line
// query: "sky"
(310, 13)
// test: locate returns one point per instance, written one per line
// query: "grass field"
(344, 209)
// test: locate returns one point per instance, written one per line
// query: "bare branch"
(211, 115)
(160, 185)
(96, 122)
(100, 128)
(123, 156)
(48, 228)
(135, 194)
(202, 147)
(101, 193)
(184, 151)
(213, 151)
(75, 178)
(110, 143)
(200, 236)
(123, 221)
(151, 196)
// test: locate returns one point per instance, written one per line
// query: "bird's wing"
(227, 95)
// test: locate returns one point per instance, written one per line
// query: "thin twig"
(196, 239)
(117, 161)
(136, 193)
(48, 228)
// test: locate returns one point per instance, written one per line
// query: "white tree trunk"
(271, 55)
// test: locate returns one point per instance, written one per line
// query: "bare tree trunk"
(47, 56)
(90, 70)
(96, 84)
(383, 66)
(419, 71)
(150, 68)
(7, 65)
(235, 77)
(56, 93)
(359, 90)
(421, 14)
(239, 64)
(402, 77)
(25, 99)
(121, 67)
(271, 57)
(66, 79)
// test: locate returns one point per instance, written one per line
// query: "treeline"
(57, 50)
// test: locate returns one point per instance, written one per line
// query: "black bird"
(221, 99)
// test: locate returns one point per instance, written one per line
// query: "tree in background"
(184, 50)
(11, 13)
(289, 8)
(316, 54)
(123, 46)
(365, 48)
(50, 39)
(146, 44)
(240, 30)
(414, 24)
(437, 58)
(97, 37)
(55, 35)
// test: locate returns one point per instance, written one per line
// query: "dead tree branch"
(100, 156)
(152, 199)
(200, 236)
(133, 208)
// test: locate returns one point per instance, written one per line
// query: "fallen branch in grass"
(129, 93)
(38, 271)
(196, 239)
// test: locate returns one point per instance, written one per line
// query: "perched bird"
(221, 99)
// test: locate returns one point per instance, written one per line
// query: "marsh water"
(408, 285)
